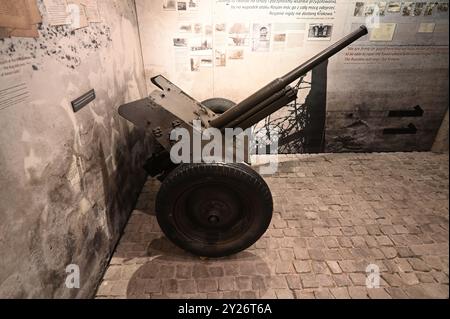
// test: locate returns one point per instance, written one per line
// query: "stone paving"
(334, 215)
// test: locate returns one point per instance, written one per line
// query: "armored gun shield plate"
(166, 109)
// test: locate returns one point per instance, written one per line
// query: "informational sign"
(13, 89)
(77, 13)
(57, 13)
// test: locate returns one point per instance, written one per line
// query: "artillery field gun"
(214, 209)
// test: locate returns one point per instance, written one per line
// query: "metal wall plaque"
(83, 100)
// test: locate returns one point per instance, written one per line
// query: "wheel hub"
(213, 213)
(213, 218)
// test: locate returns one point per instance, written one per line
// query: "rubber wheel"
(214, 210)
(218, 105)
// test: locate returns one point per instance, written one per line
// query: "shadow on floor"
(173, 273)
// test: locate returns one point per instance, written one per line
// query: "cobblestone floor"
(333, 216)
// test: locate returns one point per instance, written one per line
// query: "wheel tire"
(214, 210)
(218, 105)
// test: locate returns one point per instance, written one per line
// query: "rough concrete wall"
(441, 143)
(69, 180)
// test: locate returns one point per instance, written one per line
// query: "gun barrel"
(324, 55)
(278, 84)
(260, 106)
(271, 108)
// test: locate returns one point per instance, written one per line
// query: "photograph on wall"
(220, 34)
(238, 34)
(429, 8)
(180, 42)
(198, 28)
(419, 8)
(359, 9)
(369, 9)
(199, 45)
(407, 9)
(185, 28)
(195, 63)
(208, 30)
(169, 4)
(221, 27)
(380, 9)
(320, 31)
(181, 6)
(261, 37)
(394, 7)
(279, 37)
(236, 54)
(193, 4)
(220, 57)
(442, 7)
(384, 32)
(206, 61)
(279, 41)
